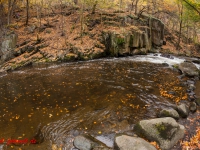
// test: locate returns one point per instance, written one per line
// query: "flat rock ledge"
(165, 131)
(124, 142)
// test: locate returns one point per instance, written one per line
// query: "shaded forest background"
(181, 17)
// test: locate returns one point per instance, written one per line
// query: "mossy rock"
(165, 131)
(70, 57)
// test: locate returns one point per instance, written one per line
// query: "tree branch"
(198, 11)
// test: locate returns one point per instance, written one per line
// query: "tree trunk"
(8, 17)
(180, 5)
(136, 6)
(10, 10)
(94, 7)
(27, 11)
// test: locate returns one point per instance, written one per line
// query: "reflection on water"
(96, 97)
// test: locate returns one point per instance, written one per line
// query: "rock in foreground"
(189, 69)
(124, 142)
(166, 131)
(87, 142)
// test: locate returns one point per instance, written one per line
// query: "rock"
(39, 136)
(169, 113)
(183, 110)
(87, 142)
(189, 69)
(198, 101)
(124, 142)
(166, 131)
(7, 47)
(165, 55)
(30, 29)
(193, 107)
(126, 43)
(191, 87)
(172, 92)
(191, 96)
(165, 64)
(157, 31)
(196, 61)
(190, 82)
(2, 72)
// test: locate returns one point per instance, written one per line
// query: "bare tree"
(27, 11)
(180, 9)
(11, 5)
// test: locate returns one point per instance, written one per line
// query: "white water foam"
(157, 58)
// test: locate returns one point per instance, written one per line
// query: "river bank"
(103, 34)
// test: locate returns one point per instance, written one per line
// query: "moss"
(175, 66)
(165, 130)
(120, 41)
(166, 113)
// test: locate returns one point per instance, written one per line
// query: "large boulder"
(125, 43)
(125, 142)
(166, 131)
(157, 29)
(189, 69)
(87, 142)
(7, 47)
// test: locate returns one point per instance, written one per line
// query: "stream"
(101, 97)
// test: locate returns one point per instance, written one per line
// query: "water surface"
(101, 97)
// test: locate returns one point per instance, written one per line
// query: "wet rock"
(189, 69)
(193, 107)
(166, 131)
(75, 133)
(198, 101)
(39, 136)
(196, 61)
(165, 55)
(165, 64)
(191, 96)
(191, 87)
(183, 110)
(87, 142)
(124, 142)
(169, 113)
(190, 82)
(172, 92)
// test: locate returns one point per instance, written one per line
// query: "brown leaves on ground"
(193, 143)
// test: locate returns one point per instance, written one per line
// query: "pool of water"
(100, 97)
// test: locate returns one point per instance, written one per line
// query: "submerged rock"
(87, 142)
(125, 142)
(183, 110)
(169, 113)
(189, 69)
(166, 131)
